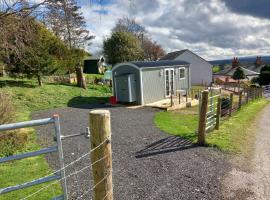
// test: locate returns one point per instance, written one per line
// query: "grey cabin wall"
(127, 69)
(200, 70)
(154, 83)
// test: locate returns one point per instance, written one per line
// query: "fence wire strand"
(91, 189)
(74, 173)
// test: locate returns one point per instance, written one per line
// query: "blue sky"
(212, 28)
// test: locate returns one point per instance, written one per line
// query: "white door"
(169, 80)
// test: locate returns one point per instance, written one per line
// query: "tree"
(129, 25)
(238, 75)
(264, 77)
(122, 46)
(152, 50)
(40, 54)
(67, 22)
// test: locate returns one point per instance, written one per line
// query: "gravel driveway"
(147, 163)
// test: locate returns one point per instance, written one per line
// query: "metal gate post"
(60, 154)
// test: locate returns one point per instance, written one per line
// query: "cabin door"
(169, 82)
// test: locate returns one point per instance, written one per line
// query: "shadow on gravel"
(165, 145)
(88, 102)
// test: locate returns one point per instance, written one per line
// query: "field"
(28, 97)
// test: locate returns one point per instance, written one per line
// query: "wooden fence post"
(247, 91)
(231, 104)
(254, 93)
(179, 97)
(240, 100)
(218, 113)
(100, 129)
(191, 94)
(171, 100)
(202, 120)
(186, 95)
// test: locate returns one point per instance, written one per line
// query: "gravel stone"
(147, 163)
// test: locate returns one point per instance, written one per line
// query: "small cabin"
(150, 81)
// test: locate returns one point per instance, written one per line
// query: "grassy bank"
(28, 97)
(233, 135)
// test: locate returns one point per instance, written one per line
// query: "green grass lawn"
(233, 135)
(28, 97)
(183, 123)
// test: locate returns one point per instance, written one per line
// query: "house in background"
(200, 69)
(94, 65)
(150, 81)
(226, 74)
(256, 66)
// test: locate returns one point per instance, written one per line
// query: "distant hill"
(243, 60)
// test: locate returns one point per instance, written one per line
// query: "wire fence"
(213, 108)
(100, 166)
(71, 174)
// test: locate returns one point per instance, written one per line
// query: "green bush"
(6, 108)
(12, 142)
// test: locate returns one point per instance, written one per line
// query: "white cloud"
(207, 27)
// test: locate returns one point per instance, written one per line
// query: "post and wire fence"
(100, 155)
(212, 108)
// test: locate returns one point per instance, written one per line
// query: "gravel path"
(253, 183)
(147, 163)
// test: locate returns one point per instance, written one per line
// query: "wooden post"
(231, 104)
(179, 97)
(171, 100)
(218, 113)
(191, 94)
(254, 93)
(240, 100)
(100, 129)
(202, 120)
(247, 97)
(186, 95)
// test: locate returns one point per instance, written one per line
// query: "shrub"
(10, 141)
(6, 108)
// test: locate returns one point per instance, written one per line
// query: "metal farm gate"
(101, 157)
(60, 175)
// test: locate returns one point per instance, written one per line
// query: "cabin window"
(181, 73)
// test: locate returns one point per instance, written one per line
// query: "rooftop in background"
(230, 71)
(242, 60)
(173, 55)
(160, 63)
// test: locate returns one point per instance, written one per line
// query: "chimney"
(235, 62)
(258, 61)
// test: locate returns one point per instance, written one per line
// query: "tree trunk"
(39, 81)
(80, 79)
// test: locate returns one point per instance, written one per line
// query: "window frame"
(179, 71)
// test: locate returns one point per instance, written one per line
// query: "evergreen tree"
(238, 75)
(264, 77)
(121, 47)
